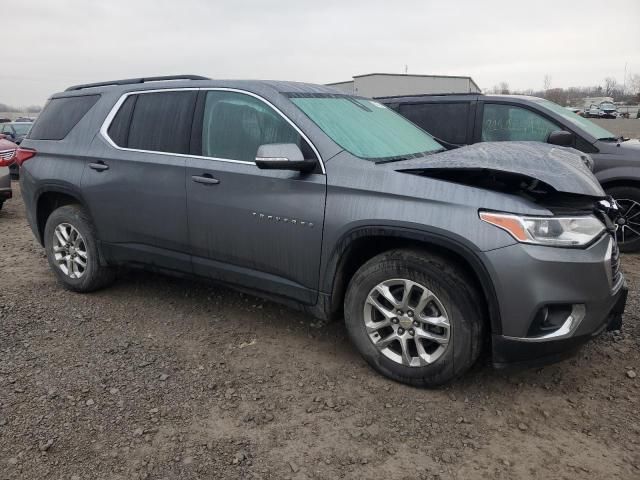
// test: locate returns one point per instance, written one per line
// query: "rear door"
(134, 182)
(261, 229)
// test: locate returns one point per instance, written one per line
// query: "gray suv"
(333, 204)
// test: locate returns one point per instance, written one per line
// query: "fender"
(453, 243)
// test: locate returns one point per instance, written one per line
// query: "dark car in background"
(471, 118)
(333, 204)
(16, 131)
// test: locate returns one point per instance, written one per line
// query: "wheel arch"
(50, 198)
(363, 243)
(620, 182)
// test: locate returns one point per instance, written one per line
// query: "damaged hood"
(558, 168)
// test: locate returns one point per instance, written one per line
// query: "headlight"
(551, 231)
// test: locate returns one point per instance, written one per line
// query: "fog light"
(549, 319)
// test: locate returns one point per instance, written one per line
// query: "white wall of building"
(386, 85)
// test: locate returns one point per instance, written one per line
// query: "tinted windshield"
(590, 127)
(22, 128)
(366, 128)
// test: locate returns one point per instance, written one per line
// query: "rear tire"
(452, 298)
(71, 246)
(628, 234)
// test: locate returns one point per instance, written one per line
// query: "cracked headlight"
(575, 231)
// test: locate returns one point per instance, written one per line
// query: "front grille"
(616, 273)
(7, 154)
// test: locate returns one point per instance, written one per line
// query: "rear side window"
(446, 121)
(60, 115)
(158, 122)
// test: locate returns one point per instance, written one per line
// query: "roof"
(516, 98)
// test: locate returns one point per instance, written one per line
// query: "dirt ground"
(163, 378)
(628, 127)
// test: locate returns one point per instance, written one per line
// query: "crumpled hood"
(560, 168)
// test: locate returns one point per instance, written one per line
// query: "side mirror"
(283, 156)
(561, 138)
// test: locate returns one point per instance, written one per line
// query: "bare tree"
(634, 84)
(547, 82)
(556, 95)
(610, 86)
(502, 87)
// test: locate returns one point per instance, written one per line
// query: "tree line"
(573, 96)
(30, 109)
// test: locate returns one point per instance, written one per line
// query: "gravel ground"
(164, 378)
(629, 127)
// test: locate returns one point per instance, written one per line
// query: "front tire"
(415, 317)
(628, 230)
(71, 245)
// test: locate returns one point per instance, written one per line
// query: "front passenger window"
(502, 123)
(234, 126)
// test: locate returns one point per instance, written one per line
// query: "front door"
(260, 229)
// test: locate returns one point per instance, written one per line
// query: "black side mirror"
(562, 138)
(283, 156)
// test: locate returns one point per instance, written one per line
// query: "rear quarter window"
(60, 115)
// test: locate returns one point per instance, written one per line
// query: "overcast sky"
(54, 44)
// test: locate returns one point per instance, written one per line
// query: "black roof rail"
(449, 94)
(132, 81)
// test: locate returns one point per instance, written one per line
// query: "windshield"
(590, 127)
(22, 128)
(366, 128)
(608, 106)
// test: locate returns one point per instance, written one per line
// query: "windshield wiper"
(619, 139)
(410, 157)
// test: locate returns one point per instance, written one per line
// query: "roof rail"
(132, 81)
(450, 94)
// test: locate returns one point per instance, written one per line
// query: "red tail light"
(7, 157)
(24, 154)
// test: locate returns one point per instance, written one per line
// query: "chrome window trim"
(114, 110)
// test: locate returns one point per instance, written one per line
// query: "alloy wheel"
(69, 250)
(628, 223)
(407, 322)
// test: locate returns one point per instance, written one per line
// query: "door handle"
(206, 179)
(99, 167)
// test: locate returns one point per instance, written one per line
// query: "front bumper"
(533, 277)
(509, 351)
